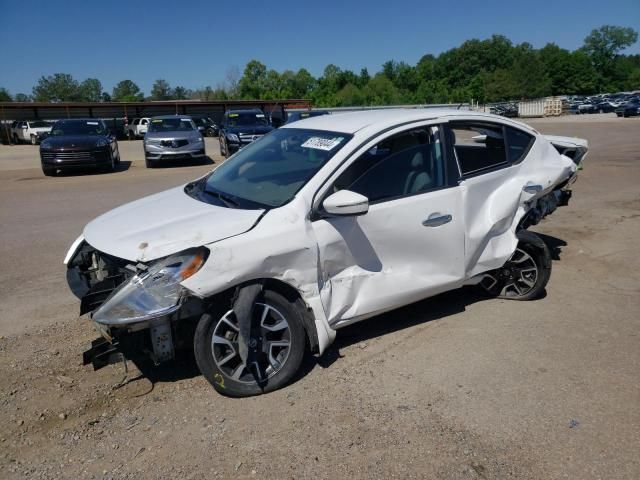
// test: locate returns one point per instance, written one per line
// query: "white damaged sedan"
(317, 225)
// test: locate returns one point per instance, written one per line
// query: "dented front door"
(408, 246)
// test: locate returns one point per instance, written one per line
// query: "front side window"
(143, 122)
(171, 125)
(405, 164)
(269, 172)
(38, 124)
(477, 146)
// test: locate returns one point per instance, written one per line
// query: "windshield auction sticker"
(320, 143)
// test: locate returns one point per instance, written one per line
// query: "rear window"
(478, 147)
(518, 143)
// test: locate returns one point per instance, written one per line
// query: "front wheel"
(525, 275)
(49, 171)
(34, 140)
(277, 346)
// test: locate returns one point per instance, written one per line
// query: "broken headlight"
(152, 293)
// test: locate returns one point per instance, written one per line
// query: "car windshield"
(171, 124)
(269, 172)
(39, 124)
(246, 118)
(78, 127)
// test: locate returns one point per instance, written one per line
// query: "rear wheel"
(525, 275)
(279, 343)
(149, 163)
(34, 140)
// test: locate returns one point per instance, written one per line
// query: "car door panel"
(388, 257)
(408, 246)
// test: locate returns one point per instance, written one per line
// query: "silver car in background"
(172, 137)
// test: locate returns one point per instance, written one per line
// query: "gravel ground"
(454, 387)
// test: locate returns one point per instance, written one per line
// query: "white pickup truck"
(137, 128)
(29, 131)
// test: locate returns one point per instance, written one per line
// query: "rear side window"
(478, 146)
(518, 144)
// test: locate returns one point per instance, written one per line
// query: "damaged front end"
(136, 307)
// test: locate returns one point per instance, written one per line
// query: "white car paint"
(27, 132)
(347, 268)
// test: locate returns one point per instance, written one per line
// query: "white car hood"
(165, 223)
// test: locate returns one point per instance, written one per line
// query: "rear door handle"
(437, 219)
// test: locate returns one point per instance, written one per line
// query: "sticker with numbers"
(320, 143)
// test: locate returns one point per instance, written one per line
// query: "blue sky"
(194, 43)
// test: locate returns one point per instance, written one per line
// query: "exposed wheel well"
(287, 291)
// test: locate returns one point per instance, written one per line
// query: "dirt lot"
(455, 387)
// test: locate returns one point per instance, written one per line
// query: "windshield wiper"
(226, 199)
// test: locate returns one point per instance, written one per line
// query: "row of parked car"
(89, 142)
(623, 104)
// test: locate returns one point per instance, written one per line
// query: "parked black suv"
(241, 127)
(79, 143)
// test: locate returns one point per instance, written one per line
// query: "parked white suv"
(30, 131)
(317, 225)
(137, 128)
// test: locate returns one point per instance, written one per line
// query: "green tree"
(181, 93)
(605, 43)
(161, 90)
(529, 73)
(127, 91)
(22, 97)
(349, 96)
(5, 96)
(59, 87)
(252, 84)
(90, 90)
(380, 91)
(303, 84)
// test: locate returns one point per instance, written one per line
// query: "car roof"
(88, 119)
(351, 122)
(164, 117)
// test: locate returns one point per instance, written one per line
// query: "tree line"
(490, 70)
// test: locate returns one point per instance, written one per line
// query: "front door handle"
(437, 219)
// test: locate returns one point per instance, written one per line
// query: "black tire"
(246, 385)
(525, 275)
(222, 151)
(34, 140)
(49, 171)
(16, 140)
(149, 163)
(130, 135)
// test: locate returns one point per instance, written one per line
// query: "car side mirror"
(346, 203)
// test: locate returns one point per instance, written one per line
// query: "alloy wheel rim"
(272, 345)
(516, 278)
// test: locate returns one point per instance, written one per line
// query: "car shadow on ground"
(207, 160)
(419, 313)
(123, 166)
